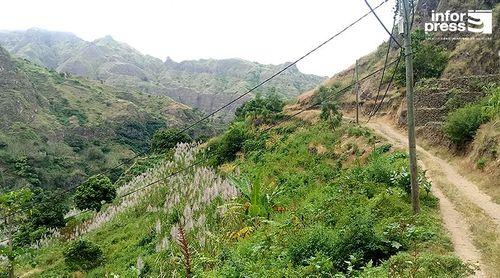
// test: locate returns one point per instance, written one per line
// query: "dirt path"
(467, 188)
(453, 220)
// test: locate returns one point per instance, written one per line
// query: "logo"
(480, 22)
(473, 21)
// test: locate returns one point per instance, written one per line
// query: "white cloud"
(259, 30)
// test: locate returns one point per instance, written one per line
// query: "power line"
(385, 60)
(286, 118)
(261, 83)
(377, 107)
(381, 23)
(285, 68)
(265, 130)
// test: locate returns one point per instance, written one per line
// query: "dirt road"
(453, 220)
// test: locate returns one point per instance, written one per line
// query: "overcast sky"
(265, 31)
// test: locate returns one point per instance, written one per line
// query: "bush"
(224, 148)
(83, 255)
(427, 265)
(166, 139)
(492, 104)
(94, 153)
(318, 240)
(261, 109)
(356, 242)
(331, 114)
(93, 192)
(481, 163)
(461, 125)
(429, 59)
(49, 209)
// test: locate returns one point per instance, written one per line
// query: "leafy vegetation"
(462, 124)
(47, 211)
(166, 139)
(310, 204)
(331, 114)
(58, 130)
(429, 59)
(93, 192)
(13, 212)
(261, 110)
(83, 255)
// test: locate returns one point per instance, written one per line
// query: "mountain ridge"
(205, 84)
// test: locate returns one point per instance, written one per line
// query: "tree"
(331, 114)
(92, 193)
(166, 139)
(266, 108)
(47, 211)
(429, 59)
(13, 212)
(224, 148)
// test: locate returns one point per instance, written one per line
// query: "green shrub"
(93, 192)
(318, 240)
(331, 114)
(358, 131)
(83, 255)
(224, 148)
(427, 265)
(378, 169)
(95, 153)
(461, 125)
(429, 59)
(356, 242)
(261, 109)
(492, 104)
(383, 148)
(166, 139)
(481, 163)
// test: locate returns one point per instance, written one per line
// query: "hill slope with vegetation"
(57, 130)
(295, 200)
(456, 90)
(203, 84)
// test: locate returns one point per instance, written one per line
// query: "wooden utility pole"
(356, 90)
(410, 107)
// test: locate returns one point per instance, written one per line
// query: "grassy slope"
(327, 183)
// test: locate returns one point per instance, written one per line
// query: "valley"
(118, 164)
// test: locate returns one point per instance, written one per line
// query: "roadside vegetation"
(462, 124)
(298, 200)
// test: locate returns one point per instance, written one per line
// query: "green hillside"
(300, 200)
(57, 130)
(450, 75)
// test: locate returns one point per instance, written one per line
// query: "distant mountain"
(57, 130)
(204, 84)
